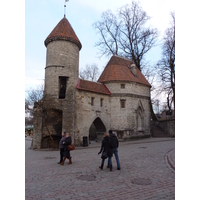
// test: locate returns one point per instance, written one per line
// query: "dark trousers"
(61, 154)
(103, 160)
(67, 154)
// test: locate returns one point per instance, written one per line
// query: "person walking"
(61, 146)
(114, 146)
(106, 151)
(67, 155)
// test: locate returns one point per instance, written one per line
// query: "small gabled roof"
(117, 69)
(63, 31)
(92, 87)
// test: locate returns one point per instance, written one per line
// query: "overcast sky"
(42, 16)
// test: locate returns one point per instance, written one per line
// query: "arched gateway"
(96, 129)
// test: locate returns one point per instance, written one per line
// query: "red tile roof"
(63, 31)
(92, 87)
(117, 70)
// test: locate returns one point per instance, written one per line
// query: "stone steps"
(157, 131)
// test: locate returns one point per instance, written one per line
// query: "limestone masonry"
(119, 100)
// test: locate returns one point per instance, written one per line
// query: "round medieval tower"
(62, 60)
(61, 72)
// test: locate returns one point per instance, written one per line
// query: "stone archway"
(97, 129)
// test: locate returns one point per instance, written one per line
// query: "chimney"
(133, 69)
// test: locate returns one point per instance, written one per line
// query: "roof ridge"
(123, 57)
(92, 86)
(90, 81)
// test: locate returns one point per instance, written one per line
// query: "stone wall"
(168, 126)
(78, 115)
(86, 113)
(62, 60)
(53, 125)
(130, 120)
(37, 136)
(133, 120)
(62, 53)
(130, 88)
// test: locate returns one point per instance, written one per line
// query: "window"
(92, 101)
(62, 86)
(101, 102)
(122, 103)
(122, 86)
(120, 134)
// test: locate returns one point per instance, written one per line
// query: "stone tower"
(62, 69)
(62, 58)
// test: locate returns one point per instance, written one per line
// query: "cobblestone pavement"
(146, 162)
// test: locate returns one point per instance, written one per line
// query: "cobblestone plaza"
(145, 173)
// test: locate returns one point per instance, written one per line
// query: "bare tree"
(108, 29)
(35, 100)
(126, 34)
(91, 72)
(166, 66)
(33, 96)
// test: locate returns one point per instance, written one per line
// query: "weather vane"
(65, 8)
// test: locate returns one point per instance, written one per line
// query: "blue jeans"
(115, 152)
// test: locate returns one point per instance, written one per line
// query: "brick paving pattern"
(45, 179)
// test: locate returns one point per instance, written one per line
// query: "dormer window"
(122, 86)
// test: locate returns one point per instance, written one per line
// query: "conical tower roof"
(63, 31)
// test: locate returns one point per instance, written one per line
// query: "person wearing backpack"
(114, 146)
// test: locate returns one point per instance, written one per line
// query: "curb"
(120, 143)
(169, 160)
(140, 141)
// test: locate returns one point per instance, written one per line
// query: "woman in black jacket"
(67, 142)
(106, 150)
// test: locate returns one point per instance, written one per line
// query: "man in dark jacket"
(114, 145)
(61, 146)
